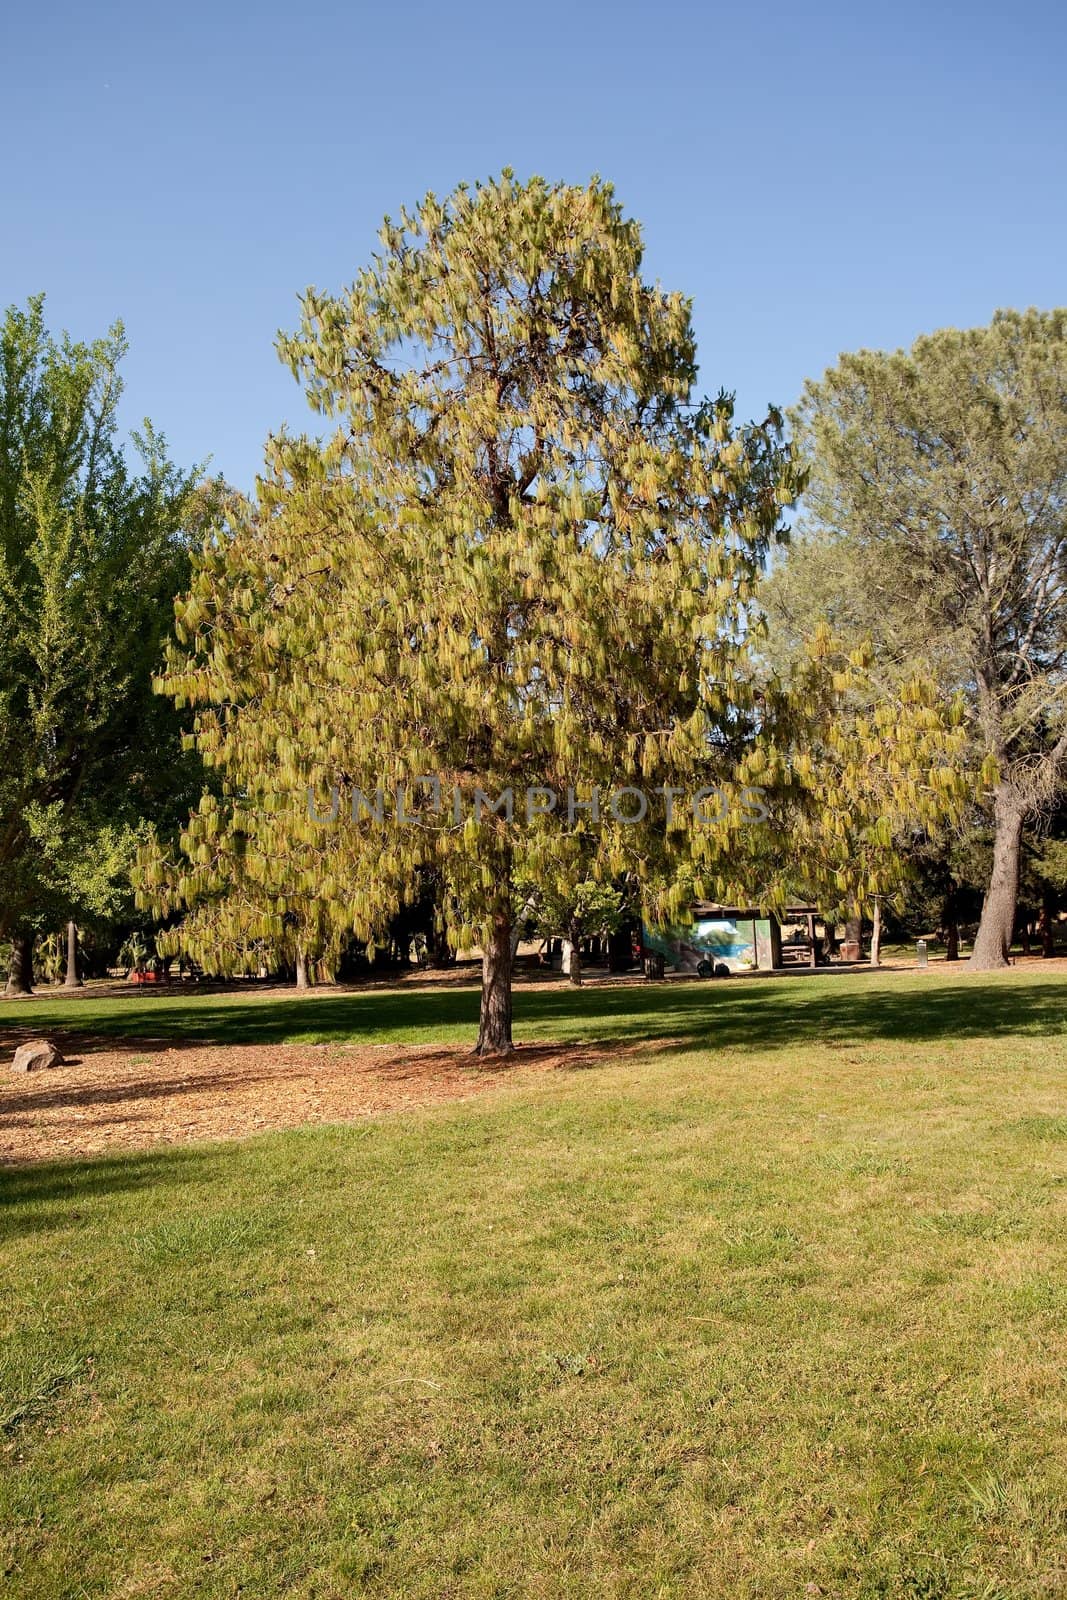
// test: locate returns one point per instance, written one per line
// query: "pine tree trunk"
(876, 935)
(20, 970)
(992, 944)
(301, 970)
(575, 931)
(952, 941)
(72, 981)
(494, 1031)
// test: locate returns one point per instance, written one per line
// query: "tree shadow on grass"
(62, 1186)
(754, 1015)
(743, 1014)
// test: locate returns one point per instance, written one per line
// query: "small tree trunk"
(876, 934)
(1044, 924)
(992, 944)
(950, 925)
(301, 970)
(575, 940)
(494, 1030)
(1024, 933)
(20, 970)
(72, 981)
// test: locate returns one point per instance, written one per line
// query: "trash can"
(920, 953)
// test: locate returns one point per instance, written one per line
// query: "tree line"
(525, 551)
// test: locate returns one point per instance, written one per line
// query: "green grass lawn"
(944, 1001)
(778, 1310)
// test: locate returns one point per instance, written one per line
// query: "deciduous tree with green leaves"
(579, 910)
(91, 556)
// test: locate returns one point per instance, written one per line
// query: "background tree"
(91, 556)
(1044, 881)
(857, 774)
(579, 911)
(938, 491)
(823, 585)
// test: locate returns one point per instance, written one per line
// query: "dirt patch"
(136, 1097)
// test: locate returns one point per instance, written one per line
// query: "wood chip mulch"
(108, 1100)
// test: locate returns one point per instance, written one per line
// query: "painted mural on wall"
(706, 942)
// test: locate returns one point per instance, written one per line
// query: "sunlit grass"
(778, 1310)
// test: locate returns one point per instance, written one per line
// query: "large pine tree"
(522, 560)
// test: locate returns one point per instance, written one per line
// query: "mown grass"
(779, 1310)
(743, 1012)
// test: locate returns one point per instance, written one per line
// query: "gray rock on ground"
(36, 1055)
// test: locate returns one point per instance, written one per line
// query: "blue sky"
(816, 178)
